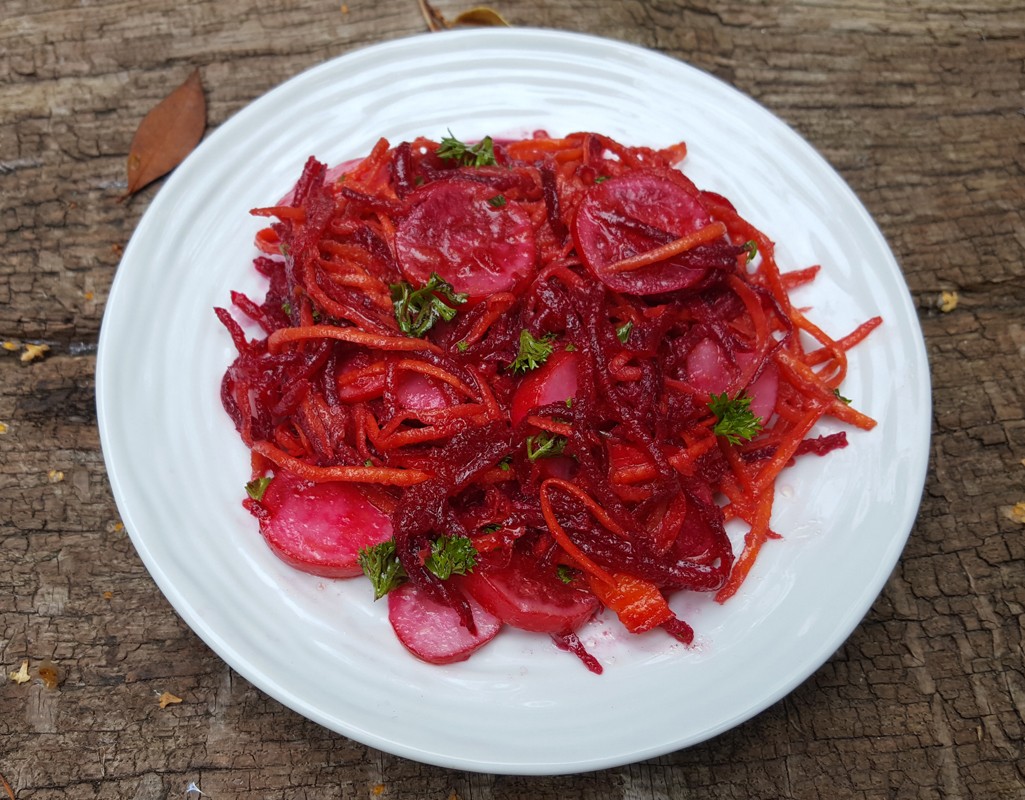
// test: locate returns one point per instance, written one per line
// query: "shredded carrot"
(709, 233)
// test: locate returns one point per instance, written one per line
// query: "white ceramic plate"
(177, 467)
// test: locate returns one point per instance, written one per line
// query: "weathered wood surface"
(919, 104)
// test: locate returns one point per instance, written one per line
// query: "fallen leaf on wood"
(167, 699)
(168, 133)
(435, 21)
(33, 352)
(947, 301)
(21, 676)
(480, 15)
(49, 674)
(7, 787)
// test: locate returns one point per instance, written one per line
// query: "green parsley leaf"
(533, 352)
(601, 179)
(571, 348)
(256, 488)
(494, 527)
(566, 574)
(841, 398)
(418, 309)
(451, 555)
(505, 464)
(381, 565)
(623, 332)
(497, 201)
(736, 421)
(462, 346)
(481, 154)
(287, 308)
(545, 445)
(751, 246)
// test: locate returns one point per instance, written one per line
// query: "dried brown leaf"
(168, 133)
(434, 19)
(49, 674)
(481, 15)
(7, 787)
(21, 675)
(167, 699)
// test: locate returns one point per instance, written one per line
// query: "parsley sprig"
(450, 555)
(736, 421)
(481, 154)
(545, 445)
(257, 487)
(416, 310)
(533, 352)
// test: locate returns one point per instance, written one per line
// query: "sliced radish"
(763, 393)
(431, 631)
(418, 392)
(635, 213)
(554, 382)
(709, 368)
(455, 231)
(530, 597)
(320, 528)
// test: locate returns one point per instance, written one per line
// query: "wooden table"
(919, 105)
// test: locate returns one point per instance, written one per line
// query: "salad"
(523, 383)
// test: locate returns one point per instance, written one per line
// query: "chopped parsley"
(416, 310)
(481, 154)
(533, 352)
(735, 419)
(623, 331)
(497, 201)
(257, 487)
(751, 247)
(450, 555)
(545, 445)
(841, 398)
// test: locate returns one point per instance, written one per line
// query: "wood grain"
(918, 104)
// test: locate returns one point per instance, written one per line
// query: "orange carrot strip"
(639, 604)
(709, 233)
(388, 476)
(432, 371)
(799, 277)
(375, 341)
(550, 425)
(753, 542)
(853, 338)
(562, 538)
(293, 213)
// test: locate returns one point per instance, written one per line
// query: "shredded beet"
(566, 354)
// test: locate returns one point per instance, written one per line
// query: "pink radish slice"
(763, 393)
(529, 597)
(431, 631)
(418, 392)
(455, 231)
(708, 367)
(320, 528)
(554, 382)
(635, 213)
